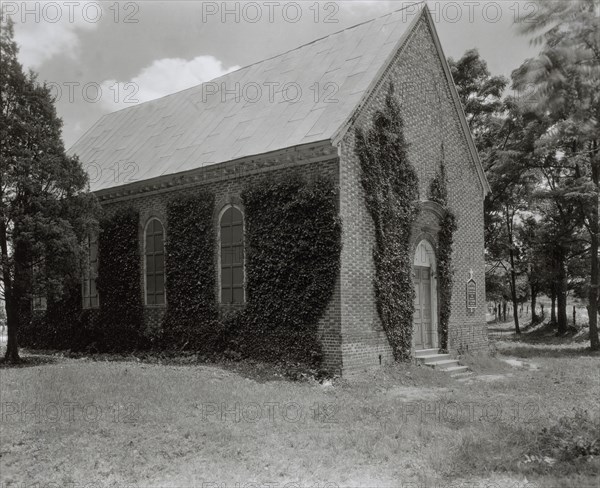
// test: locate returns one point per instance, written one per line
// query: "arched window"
(154, 251)
(90, 272)
(232, 256)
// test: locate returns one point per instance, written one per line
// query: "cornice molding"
(230, 170)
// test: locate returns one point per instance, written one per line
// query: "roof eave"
(173, 180)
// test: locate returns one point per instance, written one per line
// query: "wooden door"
(422, 328)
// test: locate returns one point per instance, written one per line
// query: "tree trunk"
(561, 297)
(12, 326)
(504, 303)
(10, 301)
(553, 305)
(593, 295)
(513, 274)
(533, 304)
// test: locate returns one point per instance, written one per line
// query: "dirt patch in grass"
(485, 364)
(517, 363)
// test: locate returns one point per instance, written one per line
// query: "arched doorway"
(425, 318)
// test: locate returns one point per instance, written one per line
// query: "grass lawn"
(128, 423)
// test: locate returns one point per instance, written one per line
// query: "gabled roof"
(326, 78)
(248, 113)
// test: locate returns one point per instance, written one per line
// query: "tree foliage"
(44, 207)
(541, 159)
(481, 96)
(566, 78)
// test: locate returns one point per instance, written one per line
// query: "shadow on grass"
(28, 361)
(548, 351)
(261, 372)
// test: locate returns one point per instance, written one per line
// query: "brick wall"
(351, 333)
(431, 120)
(226, 182)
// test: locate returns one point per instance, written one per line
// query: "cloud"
(162, 77)
(44, 30)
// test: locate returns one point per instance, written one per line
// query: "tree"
(509, 171)
(502, 134)
(480, 94)
(45, 209)
(566, 78)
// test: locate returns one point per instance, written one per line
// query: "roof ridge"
(418, 2)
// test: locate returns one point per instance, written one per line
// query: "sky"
(99, 57)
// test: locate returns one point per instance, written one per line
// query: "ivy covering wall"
(191, 318)
(120, 319)
(293, 245)
(438, 193)
(390, 186)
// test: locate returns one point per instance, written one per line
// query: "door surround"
(424, 257)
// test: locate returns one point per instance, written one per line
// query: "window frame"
(39, 303)
(90, 275)
(154, 254)
(220, 257)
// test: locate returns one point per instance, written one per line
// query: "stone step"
(426, 352)
(443, 364)
(458, 370)
(432, 358)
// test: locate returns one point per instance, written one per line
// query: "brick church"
(299, 111)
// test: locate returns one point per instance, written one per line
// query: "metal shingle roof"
(194, 128)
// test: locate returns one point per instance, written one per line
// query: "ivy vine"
(293, 246)
(391, 192)
(190, 321)
(438, 192)
(293, 243)
(121, 316)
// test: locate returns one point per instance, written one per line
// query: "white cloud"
(43, 30)
(162, 77)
